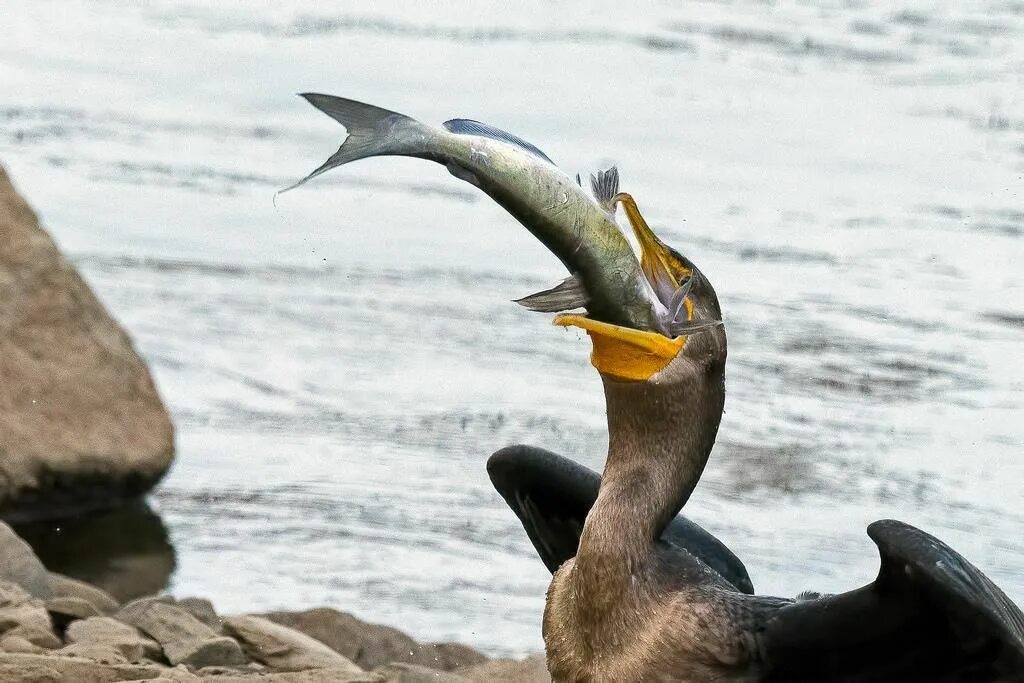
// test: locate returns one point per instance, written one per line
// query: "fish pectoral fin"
(565, 296)
(677, 309)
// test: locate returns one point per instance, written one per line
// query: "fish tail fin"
(372, 132)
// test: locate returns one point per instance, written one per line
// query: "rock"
(66, 587)
(37, 635)
(245, 670)
(201, 653)
(25, 617)
(533, 669)
(52, 668)
(105, 631)
(457, 655)
(202, 609)
(18, 562)
(16, 643)
(139, 603)
(373, 645)
(310, 676)
(28, 613)
(97, 652)
(184, 639)
(282, 648)
(11, 594)
(81, 424)
(178, 674)
(31, 621)
(65, 610)
(400, 672)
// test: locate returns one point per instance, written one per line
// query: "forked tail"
(372, 132)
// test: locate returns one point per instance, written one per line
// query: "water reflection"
(125, 551)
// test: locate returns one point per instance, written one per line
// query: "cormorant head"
(693, 322)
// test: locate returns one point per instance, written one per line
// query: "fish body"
(580, 230)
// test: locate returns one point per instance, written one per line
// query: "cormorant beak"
(660, 264)
(622, 352)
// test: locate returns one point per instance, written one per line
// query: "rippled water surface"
(339, 366)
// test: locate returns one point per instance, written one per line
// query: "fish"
(606, 276)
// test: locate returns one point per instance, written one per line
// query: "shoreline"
(58, 628)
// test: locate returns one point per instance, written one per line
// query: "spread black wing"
(929, 616)
(552, 495)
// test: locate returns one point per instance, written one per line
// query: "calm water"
(339, 366)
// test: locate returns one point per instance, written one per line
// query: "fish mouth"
(632, 354)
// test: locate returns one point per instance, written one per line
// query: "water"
(339, 366)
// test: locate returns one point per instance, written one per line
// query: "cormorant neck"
(659, 438)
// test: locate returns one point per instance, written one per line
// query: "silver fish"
(606, 276)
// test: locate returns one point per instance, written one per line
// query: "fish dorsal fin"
(565, 296)
(470, 127)
(605, 185)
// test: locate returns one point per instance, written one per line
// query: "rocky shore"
(57, 628)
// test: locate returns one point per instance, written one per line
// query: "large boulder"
(81, 424)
